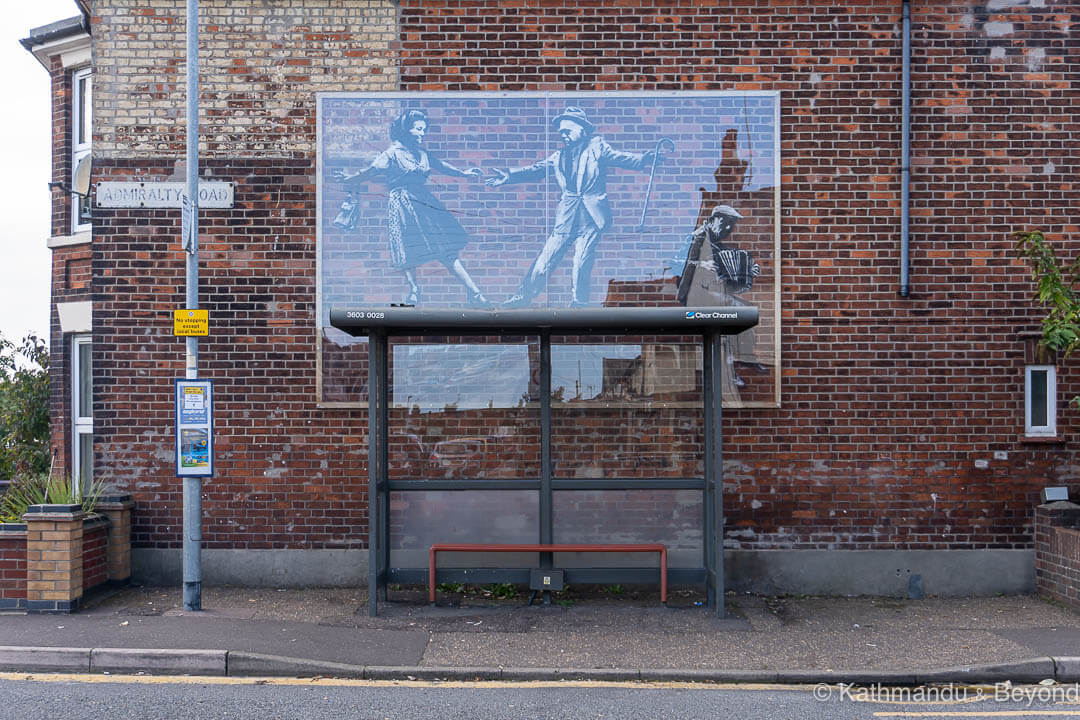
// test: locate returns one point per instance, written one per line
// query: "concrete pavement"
(608, 633)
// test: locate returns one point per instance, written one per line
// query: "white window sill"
(75, 316)
(79, 238)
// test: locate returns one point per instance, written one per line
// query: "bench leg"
(431, 576)
(663, 576)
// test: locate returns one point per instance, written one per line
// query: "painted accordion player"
(734, 268)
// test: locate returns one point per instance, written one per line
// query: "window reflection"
(471, 444)
(436, 378)
(463, 411)
(627, 410)
(649, 372)
(627, 442)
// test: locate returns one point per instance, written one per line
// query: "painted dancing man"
(584, 213)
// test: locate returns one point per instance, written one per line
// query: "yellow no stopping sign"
(190, 323)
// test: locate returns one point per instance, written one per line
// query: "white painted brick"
(139, 84)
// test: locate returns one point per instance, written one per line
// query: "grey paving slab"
(293, 639)
(598, 674)
(1067, 669)
(44, 659)
(534, 674)
(465, 673)
(244, 664)
(1031, 670)
(851, 677)
(157, 660)
(1053, 641)
(709, 676)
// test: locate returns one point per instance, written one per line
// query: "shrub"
(24, 408)
(1057, 284)
(40, 489)
(1056, 290)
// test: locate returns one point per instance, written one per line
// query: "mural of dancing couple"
(421, 229)
(476, 199)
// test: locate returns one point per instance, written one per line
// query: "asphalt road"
(115, 698)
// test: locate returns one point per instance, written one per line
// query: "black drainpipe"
(905, 157)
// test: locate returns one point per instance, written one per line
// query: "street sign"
(212, 194)
(191, 323)
(188, 237)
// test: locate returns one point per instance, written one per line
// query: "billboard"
(615, 199)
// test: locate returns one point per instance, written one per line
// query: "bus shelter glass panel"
(627, 409)
(419, 519)
(463, 410)
(672, 517)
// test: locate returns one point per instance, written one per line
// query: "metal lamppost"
(190, 232)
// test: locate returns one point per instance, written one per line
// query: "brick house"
(892, 427)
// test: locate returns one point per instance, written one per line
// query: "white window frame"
(1050, 429)
(82, 109)
(81, 425)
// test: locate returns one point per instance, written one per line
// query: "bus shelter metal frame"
(381, 323)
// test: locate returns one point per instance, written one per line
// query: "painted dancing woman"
(421, 229)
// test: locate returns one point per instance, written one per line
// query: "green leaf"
(24, 407)
(1056, 286)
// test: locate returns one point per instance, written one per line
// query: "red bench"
(541, 547)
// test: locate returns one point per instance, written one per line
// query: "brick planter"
(12, 566)
(54, 557)
(117, 508)
(95, 551)
(50, 560)
(1057, 552)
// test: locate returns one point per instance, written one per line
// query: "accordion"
(736, 267)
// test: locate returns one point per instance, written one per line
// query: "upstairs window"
(1040, 401)
(82, 131)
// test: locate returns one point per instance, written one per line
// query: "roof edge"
(58, 30)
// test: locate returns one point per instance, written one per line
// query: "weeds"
(450, 587)
(505, 591)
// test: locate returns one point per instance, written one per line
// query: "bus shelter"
(381, 323)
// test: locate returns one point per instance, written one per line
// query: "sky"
(24, 134)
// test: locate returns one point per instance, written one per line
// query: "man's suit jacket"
(590, 174)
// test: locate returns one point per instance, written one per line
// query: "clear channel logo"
(695, 315)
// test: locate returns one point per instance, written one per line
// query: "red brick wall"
(13, 569)
(71, 269)
(1057, 552)
(290, 474)
(1060, 578)
(94, 553)
(62, 93)
(887, 402)
(71, 282)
